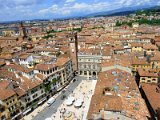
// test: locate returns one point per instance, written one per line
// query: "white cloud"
(76, 8)
(54, 8)
(70, 1)
(136, 2)
(80, 6)
(28, 9)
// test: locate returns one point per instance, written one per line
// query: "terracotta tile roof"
(2, 62)
(136, 61)
(153, 94)
(158, 44)
(106, 51)
(24, 56)
(118, 47)
(7, 74)
(146, 72)
(116, 90)
(6, 56)
(45, 67)
(136, 45)
(156, 56)
(18, 68)
(157, 39)
(5, 92)
(44, 49)
(20, 91)
(28, 84)
(90, 51)
(8, 38)
(40, 76)
(149, 46)
(62, 61)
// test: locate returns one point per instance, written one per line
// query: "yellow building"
(4, 114)
(155, 61)
(148, 76)
(136, 47)
(9, 100)
(139, 63)
(150, 49)
(8, 33)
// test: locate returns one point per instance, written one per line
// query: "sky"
(11, 10)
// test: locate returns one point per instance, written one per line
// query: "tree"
(118, 23)
(29, 39)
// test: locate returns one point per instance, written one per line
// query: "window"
(154, 79)
(32, 91)
(42, 91)
(148, 81)
(94, 67)
(143, 78)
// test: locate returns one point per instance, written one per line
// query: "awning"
(42, 101)
(27, 111)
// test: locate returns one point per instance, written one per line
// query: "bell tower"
(73, 46)
(22, 31)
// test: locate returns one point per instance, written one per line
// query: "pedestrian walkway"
(83, 91)
(94, 82)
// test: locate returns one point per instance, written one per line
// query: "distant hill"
(155, 9)
(124, 11)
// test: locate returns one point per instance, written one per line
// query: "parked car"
(50, 101)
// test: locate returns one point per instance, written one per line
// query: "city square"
(83, 91)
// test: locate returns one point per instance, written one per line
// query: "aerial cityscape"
(80, 60)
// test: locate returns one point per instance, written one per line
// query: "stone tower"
(22, 31)
(73, 46)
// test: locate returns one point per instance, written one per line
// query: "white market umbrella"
(78, 103)
(68, 102)
(48, 119)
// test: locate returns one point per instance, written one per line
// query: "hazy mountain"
(123, 11)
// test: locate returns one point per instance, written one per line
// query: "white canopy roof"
(69, 101)
(78, 103)
(48, 119)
